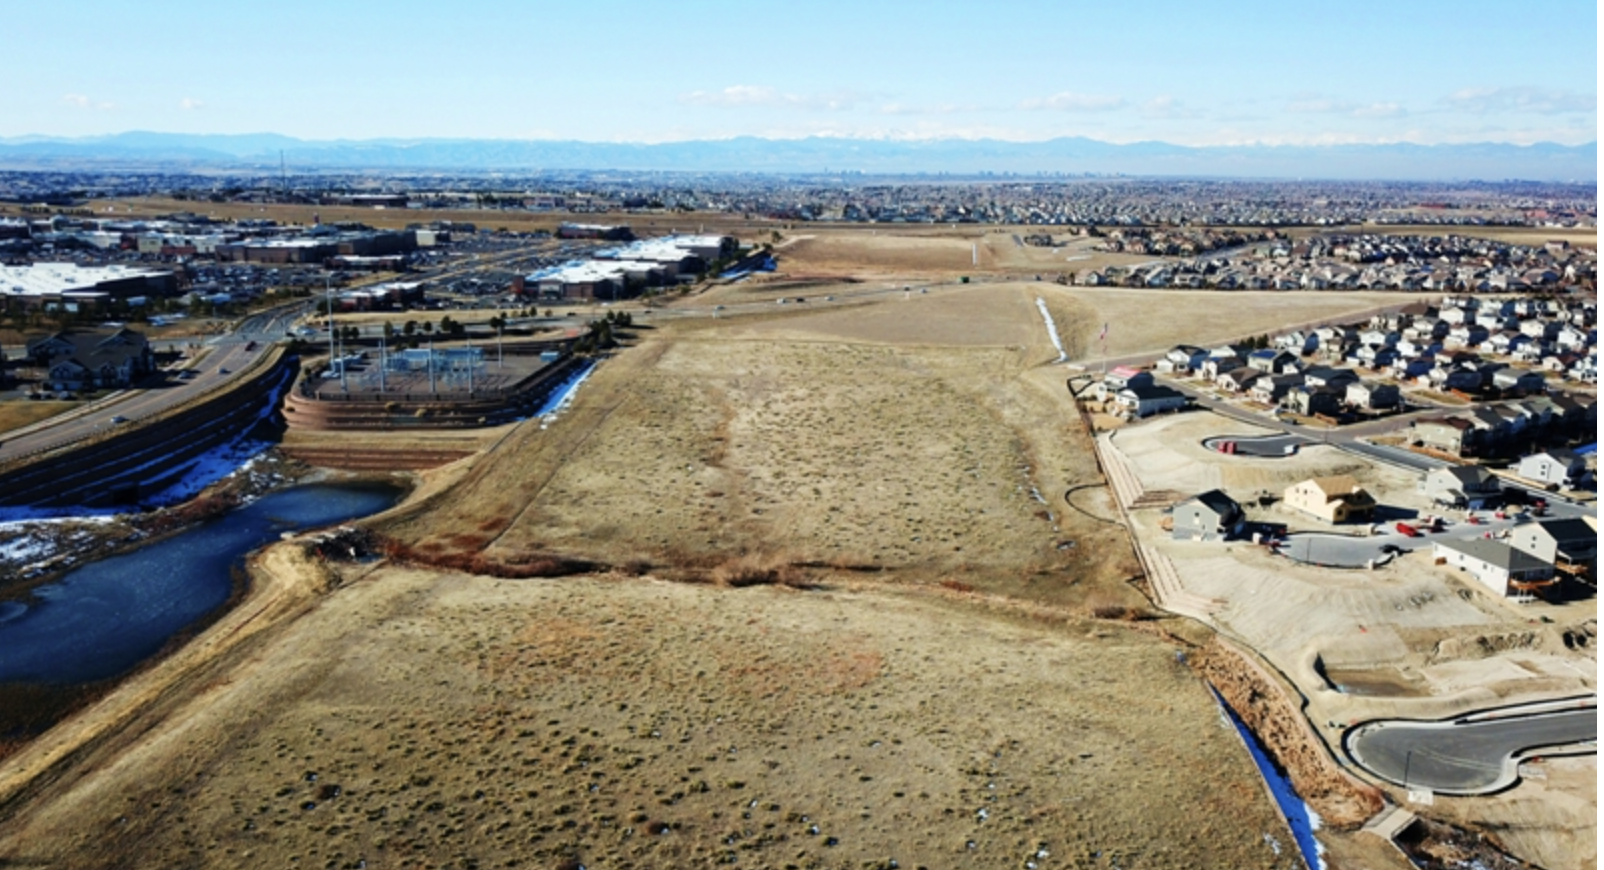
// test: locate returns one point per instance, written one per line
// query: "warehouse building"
(72, 287)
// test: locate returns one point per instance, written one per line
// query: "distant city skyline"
(1191, 74)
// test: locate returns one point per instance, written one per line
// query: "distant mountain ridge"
(1544, 161)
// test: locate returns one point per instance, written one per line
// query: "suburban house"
(1372, 396)
(1452, 377)
(1183, 358)
(1455, 436)
(1412, 367)
(1206, 517)
(1237, 380)
(1375, 356)
(1519, 380)
(1508, 572)
(1271, 389)
(1326, 376)
(1569, 543)
(1335, 499)
(1556, 468)
(1273, 362)
(92, 360)
(1120, 377)
(1461, 485)
(1309, 401)
(1145, 401)
(1215, 366)
(1297, 341)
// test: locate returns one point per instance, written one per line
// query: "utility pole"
(328, 300)
(381, 361)
(431, 365)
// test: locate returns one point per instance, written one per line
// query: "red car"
(1408, 530)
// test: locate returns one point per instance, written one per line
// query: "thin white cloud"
(79, 100)
(1069, 101)
(936, 109)
(1379, 110)
(190, 104)
(1166, 106)
(1538, 101)
(1319, 104)
(762, 96)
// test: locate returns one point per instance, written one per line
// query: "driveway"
(1464, 756)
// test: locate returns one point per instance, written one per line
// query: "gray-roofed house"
(1508, 572)
(1570, 543)
(87, 360)
(1326, 376)
(1556, 467)
(1208, 516)
(1372, 396)
(1145, 401)
(1460, 485)
(1309, 401)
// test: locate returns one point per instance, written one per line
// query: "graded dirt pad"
(714, 442)
(425, 720)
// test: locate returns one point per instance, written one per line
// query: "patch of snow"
(563, 396)
(1052, 328)
(220, 462)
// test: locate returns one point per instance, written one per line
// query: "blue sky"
(1185, 72)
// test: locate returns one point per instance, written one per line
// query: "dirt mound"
(1484, 645)
(1343, 802)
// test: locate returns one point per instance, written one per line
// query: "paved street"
(1461, 757)
(231, 352)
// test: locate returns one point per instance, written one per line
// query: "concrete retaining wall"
(127, 466)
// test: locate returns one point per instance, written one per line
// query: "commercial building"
(71, 287)
(622, 272)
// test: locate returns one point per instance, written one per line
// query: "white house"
(1144, 401)
(1508, 572)
(1557, 468)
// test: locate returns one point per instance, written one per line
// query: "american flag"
(1104, 334)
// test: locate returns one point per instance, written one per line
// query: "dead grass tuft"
(521, 566)
(759, 570)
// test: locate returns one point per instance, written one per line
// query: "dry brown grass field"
(922, 440)
(1155, 320)
(15, 414)
(440, 720)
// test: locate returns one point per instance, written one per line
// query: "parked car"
(1408, 530)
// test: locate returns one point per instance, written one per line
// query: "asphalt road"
(1263, 445)
(1460, 757)
(226, 352)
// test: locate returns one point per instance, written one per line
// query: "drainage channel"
(1299, 817)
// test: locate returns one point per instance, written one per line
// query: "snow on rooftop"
(48, 279)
